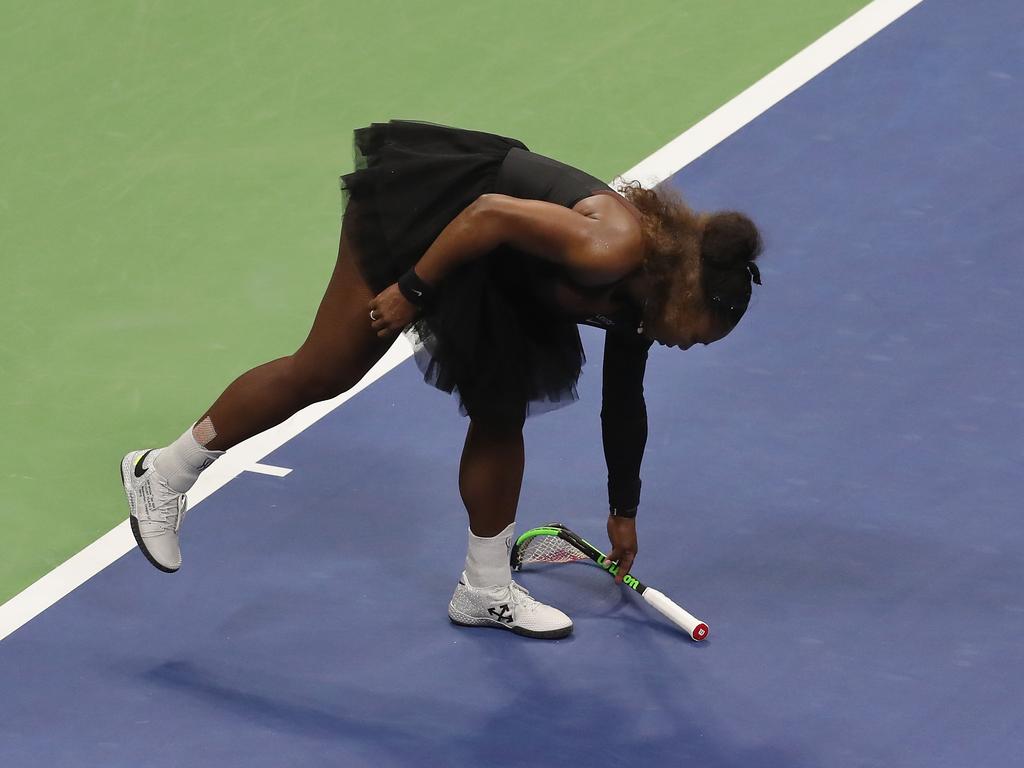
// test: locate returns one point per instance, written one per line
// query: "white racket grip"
(690, 624)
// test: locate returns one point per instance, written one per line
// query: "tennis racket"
(555, 543)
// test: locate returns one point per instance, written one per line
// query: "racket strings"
(549, 549)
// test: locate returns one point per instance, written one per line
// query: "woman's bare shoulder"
(620, 232)
(608, 204)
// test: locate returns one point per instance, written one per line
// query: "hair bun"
(730, 240)
(729, 244)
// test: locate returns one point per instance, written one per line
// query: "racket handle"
(693, 626)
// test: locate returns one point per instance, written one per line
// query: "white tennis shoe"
(509, 607)
(156, 511)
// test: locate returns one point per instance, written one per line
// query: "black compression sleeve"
(624, 418)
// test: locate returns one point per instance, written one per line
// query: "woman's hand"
(390, 312)
(622, 535)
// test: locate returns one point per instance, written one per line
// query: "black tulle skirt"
(487, 339)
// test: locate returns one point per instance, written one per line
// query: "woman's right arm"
(624, 418)
(624, 434)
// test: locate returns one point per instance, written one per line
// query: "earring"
(643, 312)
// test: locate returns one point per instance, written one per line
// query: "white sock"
(181, 462)
(487, 559)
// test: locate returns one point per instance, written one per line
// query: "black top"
(531, 176)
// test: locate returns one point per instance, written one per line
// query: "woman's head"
(699, 268)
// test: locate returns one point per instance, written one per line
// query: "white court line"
(74, 572)
(267, 469)
(768, 91)
(690, 145)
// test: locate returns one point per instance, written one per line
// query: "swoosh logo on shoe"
(139, 471)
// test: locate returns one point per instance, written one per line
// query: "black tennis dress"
(502, 334)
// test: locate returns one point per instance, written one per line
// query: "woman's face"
(686, 328)
(685, 321)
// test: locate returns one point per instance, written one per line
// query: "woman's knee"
(497, 422)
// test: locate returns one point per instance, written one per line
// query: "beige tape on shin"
(203, 431)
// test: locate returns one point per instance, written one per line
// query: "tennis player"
(487, 256)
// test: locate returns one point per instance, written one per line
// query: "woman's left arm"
(596, 248)
(624, 434)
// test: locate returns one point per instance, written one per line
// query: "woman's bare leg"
(340, 349)
(491, 476)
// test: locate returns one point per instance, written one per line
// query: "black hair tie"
(755, 273)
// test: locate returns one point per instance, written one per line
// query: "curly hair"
(690, 257)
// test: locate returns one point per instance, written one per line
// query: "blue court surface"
(835, 488)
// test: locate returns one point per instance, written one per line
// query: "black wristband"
(628, 513)
(416, 291)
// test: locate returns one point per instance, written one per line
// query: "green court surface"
(168, 187)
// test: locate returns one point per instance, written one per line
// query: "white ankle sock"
(181, 462)
(487, 559)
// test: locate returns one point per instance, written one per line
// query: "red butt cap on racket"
(690, 624)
